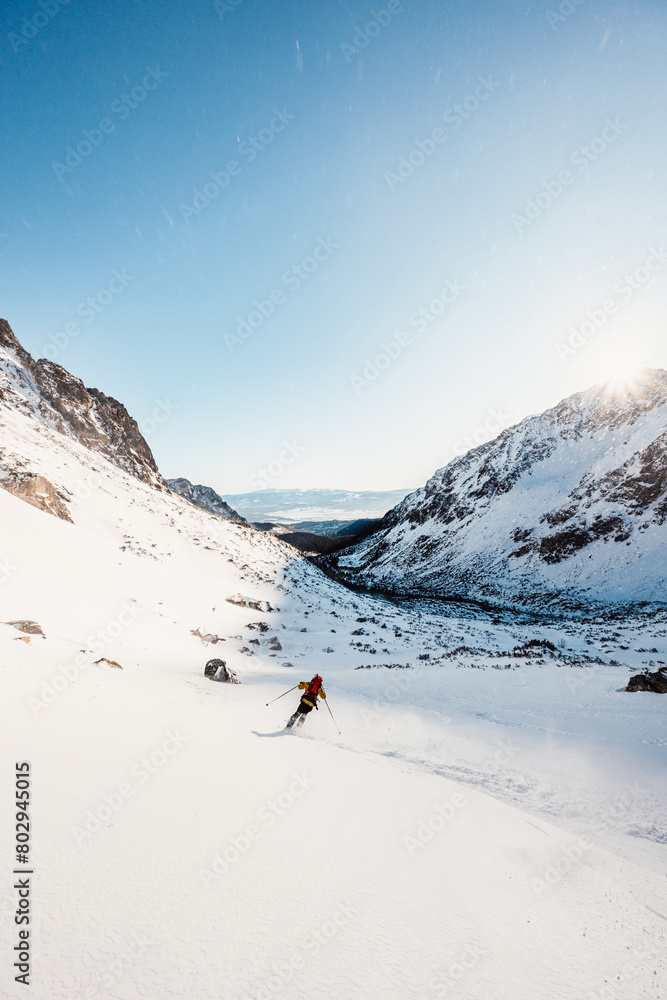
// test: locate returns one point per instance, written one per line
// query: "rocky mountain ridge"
(206, 498)
(569, 506)
(48, 392)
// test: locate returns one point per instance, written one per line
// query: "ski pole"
(332, 716)
(282, 695)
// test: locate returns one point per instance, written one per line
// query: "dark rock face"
(212, 667)
(8, 340)
(124, 434)
(206, 498)
(644, 481)
(563, 544)
(656, 682)
(99, 422)
(96, 421)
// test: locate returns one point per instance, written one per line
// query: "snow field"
(243, 855)
(469, 834)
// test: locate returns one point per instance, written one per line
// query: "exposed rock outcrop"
(109, 663)
(26, 626)
(40, 493)
(206, 498)
(656, 682)
(249, 602)
(217, 670)
(49, 392)
(206, 637)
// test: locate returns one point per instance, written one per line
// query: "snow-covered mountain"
(61, 401)
(77, 455)
(204, 497)
(486, 786)
(568, 505)
(289, 506)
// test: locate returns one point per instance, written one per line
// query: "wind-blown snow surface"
(570, 506)
(485, 826)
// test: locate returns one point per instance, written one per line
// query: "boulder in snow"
(206, 637)
(30, 628)
(217, 670)
(249, 602)
(656, 682)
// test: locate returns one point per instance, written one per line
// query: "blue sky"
(315, 224)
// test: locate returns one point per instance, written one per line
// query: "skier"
(312, 691)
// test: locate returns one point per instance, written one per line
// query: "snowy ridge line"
(566, 511)
(46, 392)
(31, 449)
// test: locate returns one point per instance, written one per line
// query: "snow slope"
(238, 862)
(569, 506)
(490, 823)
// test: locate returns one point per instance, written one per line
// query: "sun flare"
(622, 374)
